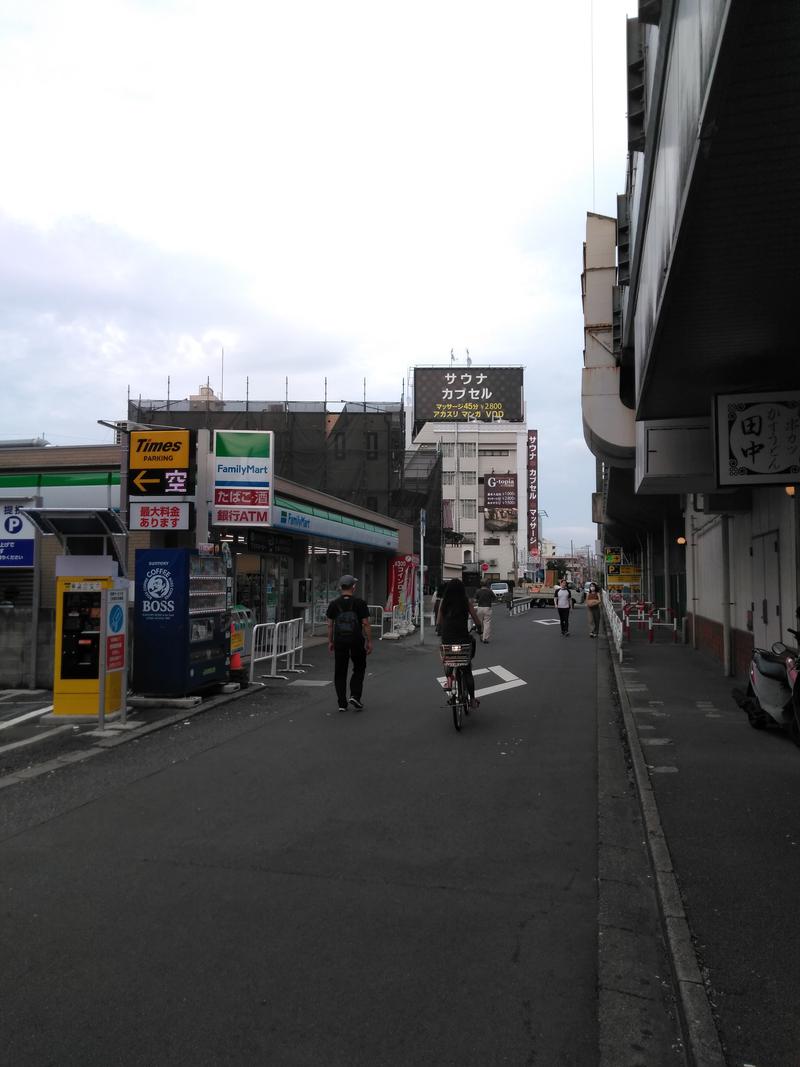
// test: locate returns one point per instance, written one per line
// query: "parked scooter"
(773, 690)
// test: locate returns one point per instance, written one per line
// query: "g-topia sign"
(159, 450)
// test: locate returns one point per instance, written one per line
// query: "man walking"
(484, 599)
(563, 600)
(349, 638)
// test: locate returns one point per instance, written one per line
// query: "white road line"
(507, 680)
(24, 718)
(309, 682)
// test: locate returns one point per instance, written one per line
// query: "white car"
(500, 590)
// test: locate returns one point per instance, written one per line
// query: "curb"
(702, 1039)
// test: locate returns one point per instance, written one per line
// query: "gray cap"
(347, 581)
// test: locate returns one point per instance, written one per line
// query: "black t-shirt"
(484, 598)
(345, 604)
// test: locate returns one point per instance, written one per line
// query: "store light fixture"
(789, 490)
(680, 540)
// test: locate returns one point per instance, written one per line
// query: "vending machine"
(181, 621)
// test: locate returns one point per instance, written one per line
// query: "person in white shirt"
(563, 601)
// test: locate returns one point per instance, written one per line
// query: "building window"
(448, 477)
(491, 540)
(372, 445)
(467, 449)
(468, 539)
(495, 452)
(469, 509)
(469, 477)
(339, 445)
(448, 449)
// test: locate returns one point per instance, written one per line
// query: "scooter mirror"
(779, 648)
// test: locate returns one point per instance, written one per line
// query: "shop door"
(767, 624)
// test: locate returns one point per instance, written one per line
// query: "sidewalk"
(719, 801)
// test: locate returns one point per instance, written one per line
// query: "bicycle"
(458, 657)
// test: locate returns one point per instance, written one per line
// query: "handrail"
(614, 623)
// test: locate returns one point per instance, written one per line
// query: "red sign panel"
(115, 652)
(246, 498)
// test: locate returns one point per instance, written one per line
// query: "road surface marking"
(309, 682)
(507, 680)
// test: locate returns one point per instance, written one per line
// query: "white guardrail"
(279, 644)
(401, 623)
(614, 623)
(520, 605)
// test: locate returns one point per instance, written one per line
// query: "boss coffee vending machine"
(181, 621)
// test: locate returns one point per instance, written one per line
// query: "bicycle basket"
(456, 655)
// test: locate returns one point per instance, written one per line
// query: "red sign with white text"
(246, 498)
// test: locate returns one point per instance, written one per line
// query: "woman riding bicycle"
(452, 623)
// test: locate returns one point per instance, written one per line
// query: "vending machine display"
(181, 621)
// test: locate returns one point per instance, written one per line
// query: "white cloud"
(326, 191)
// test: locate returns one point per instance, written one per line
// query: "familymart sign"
(243, 478)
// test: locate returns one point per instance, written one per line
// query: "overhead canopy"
(76, 523)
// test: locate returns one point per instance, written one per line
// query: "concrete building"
(484, 467)
(690, 382)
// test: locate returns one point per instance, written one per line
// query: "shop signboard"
(533, 492)
(17, 536)
(159, 515)
(116, 601)
(471, 394)
(758, 438)
(159, 463)
(243, 475)
(500, 502)
(334, 526)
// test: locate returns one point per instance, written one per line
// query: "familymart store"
(293, 568)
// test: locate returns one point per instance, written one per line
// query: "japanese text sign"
(758, 438)
(471, 394)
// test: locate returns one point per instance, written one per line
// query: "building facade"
(474, 419)
(690, 384)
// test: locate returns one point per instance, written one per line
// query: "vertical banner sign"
(533, 492)
(116, 628)
(243, 474)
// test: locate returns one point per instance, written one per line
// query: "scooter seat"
(770, 666)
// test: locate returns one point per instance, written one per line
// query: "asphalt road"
(278, 883)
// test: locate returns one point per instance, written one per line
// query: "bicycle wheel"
(459, 699)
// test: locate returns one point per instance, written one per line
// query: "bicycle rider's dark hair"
(455, 599)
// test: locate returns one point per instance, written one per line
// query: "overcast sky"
(326, 190)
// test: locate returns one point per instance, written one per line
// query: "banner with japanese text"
(533, 493)
(472, 394)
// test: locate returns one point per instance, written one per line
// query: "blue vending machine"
(181, 621)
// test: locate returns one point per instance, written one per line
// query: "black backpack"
(346, 625)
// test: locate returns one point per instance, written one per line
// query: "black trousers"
(563, 614)
(342, 655)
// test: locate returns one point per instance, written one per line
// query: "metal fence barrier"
(521, 605)
(614, 623)
(278, 641)
(377, 620)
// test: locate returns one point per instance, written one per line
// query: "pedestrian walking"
(484, 599)
(593, 604)
(563, 601)
(349, 639)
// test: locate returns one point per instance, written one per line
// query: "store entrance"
(262, 584)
